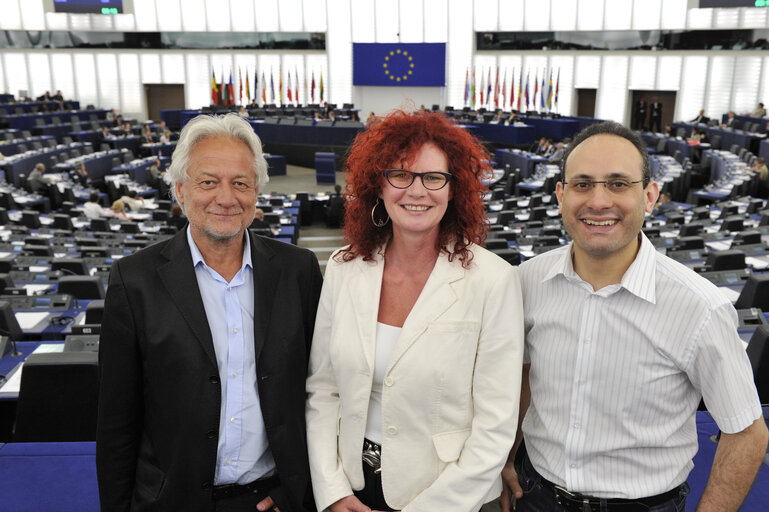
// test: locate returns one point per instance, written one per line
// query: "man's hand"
(511, 489)
(267, 504)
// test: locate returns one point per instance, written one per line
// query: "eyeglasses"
(615, 186)
(401, 178)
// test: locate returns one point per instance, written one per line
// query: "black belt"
(261, 486)
(576, 502)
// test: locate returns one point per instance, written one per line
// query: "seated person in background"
(511, 119)
(668, 131)
(498, 117)
(549, 148)
(58, 96)
(539, 148)
(731, 122)
(119, 120)
(335, 208)
(178, 219)
(127, 129)
(155, 171)
(44, 97)
(79, 175)
(160, 128)
(92, 209)
(258, 221)
(371, 120)
(316, 117)
(111, 115)
(243, 112)
(35, 180)
(558, 154)
(701, 118)
(331, 116)
(664, 204)
(759, 166)
(118, 210)
(133, 201)
(147, 136)
(354, 117)
(105, 133)
(759, 112)
(165, 138)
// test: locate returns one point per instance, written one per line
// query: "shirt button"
(235, 330)
(392, 430)
(232, 420)
(576, 425)
(229, 462)
(235, 374)
(389, 381)
(229, 288)
(587, 341)
(572, 466)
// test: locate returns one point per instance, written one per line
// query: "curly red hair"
(398, 137)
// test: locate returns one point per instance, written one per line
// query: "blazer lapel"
(366, 288)
(267, 274)
(437, 296)
(178, 277)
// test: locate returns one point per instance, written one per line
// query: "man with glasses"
(621, 343)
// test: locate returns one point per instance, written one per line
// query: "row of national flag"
(498, 95)
(223, 93)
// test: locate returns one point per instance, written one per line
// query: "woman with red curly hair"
(415, 366)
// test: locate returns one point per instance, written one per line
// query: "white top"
(616, 375)
(93, 210)
(386, 336)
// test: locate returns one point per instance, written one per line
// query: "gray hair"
(205, 127)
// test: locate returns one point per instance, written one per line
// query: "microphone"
(8, 345)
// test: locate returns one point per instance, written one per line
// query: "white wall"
(381, 100)
(716, 81)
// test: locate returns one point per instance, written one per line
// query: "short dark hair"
(616, 129)
(94, 197)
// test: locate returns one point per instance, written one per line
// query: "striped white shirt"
(617, 374)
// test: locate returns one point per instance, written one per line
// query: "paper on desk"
(28, 320)
(13, 384)
(718, 246)
(730, 293)
(758, 263)
(48, 348)
(34, 289)
(38, 268)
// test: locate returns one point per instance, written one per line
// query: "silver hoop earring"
(381, 222)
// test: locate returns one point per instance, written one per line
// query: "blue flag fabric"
(401, 64)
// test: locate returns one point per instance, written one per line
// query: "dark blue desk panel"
(763, 151)
(131, 143)
(8, 147)
(29, 106)
(502, 134)
(747, 119)
(276, 165)
(523, 161)
(55, 130)
(584, 121)
(28, 121)
(305, 135)
(57, 477)
(171, 117)
(679, 145)
(38, 477)
(5, 98)
(730, 137)
(25, 165)
(158, 149)
(92, 136)
(97, 166)
(553, 128)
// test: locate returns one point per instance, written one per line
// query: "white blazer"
(451, 390)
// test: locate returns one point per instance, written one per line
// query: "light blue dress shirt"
(243, 453)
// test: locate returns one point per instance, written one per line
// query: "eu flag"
(401, 64)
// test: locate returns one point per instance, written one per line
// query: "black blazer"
(160, 394)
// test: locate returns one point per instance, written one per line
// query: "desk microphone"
(8, 345)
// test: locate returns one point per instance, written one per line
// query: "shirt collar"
(197, 256)
(639, 279)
